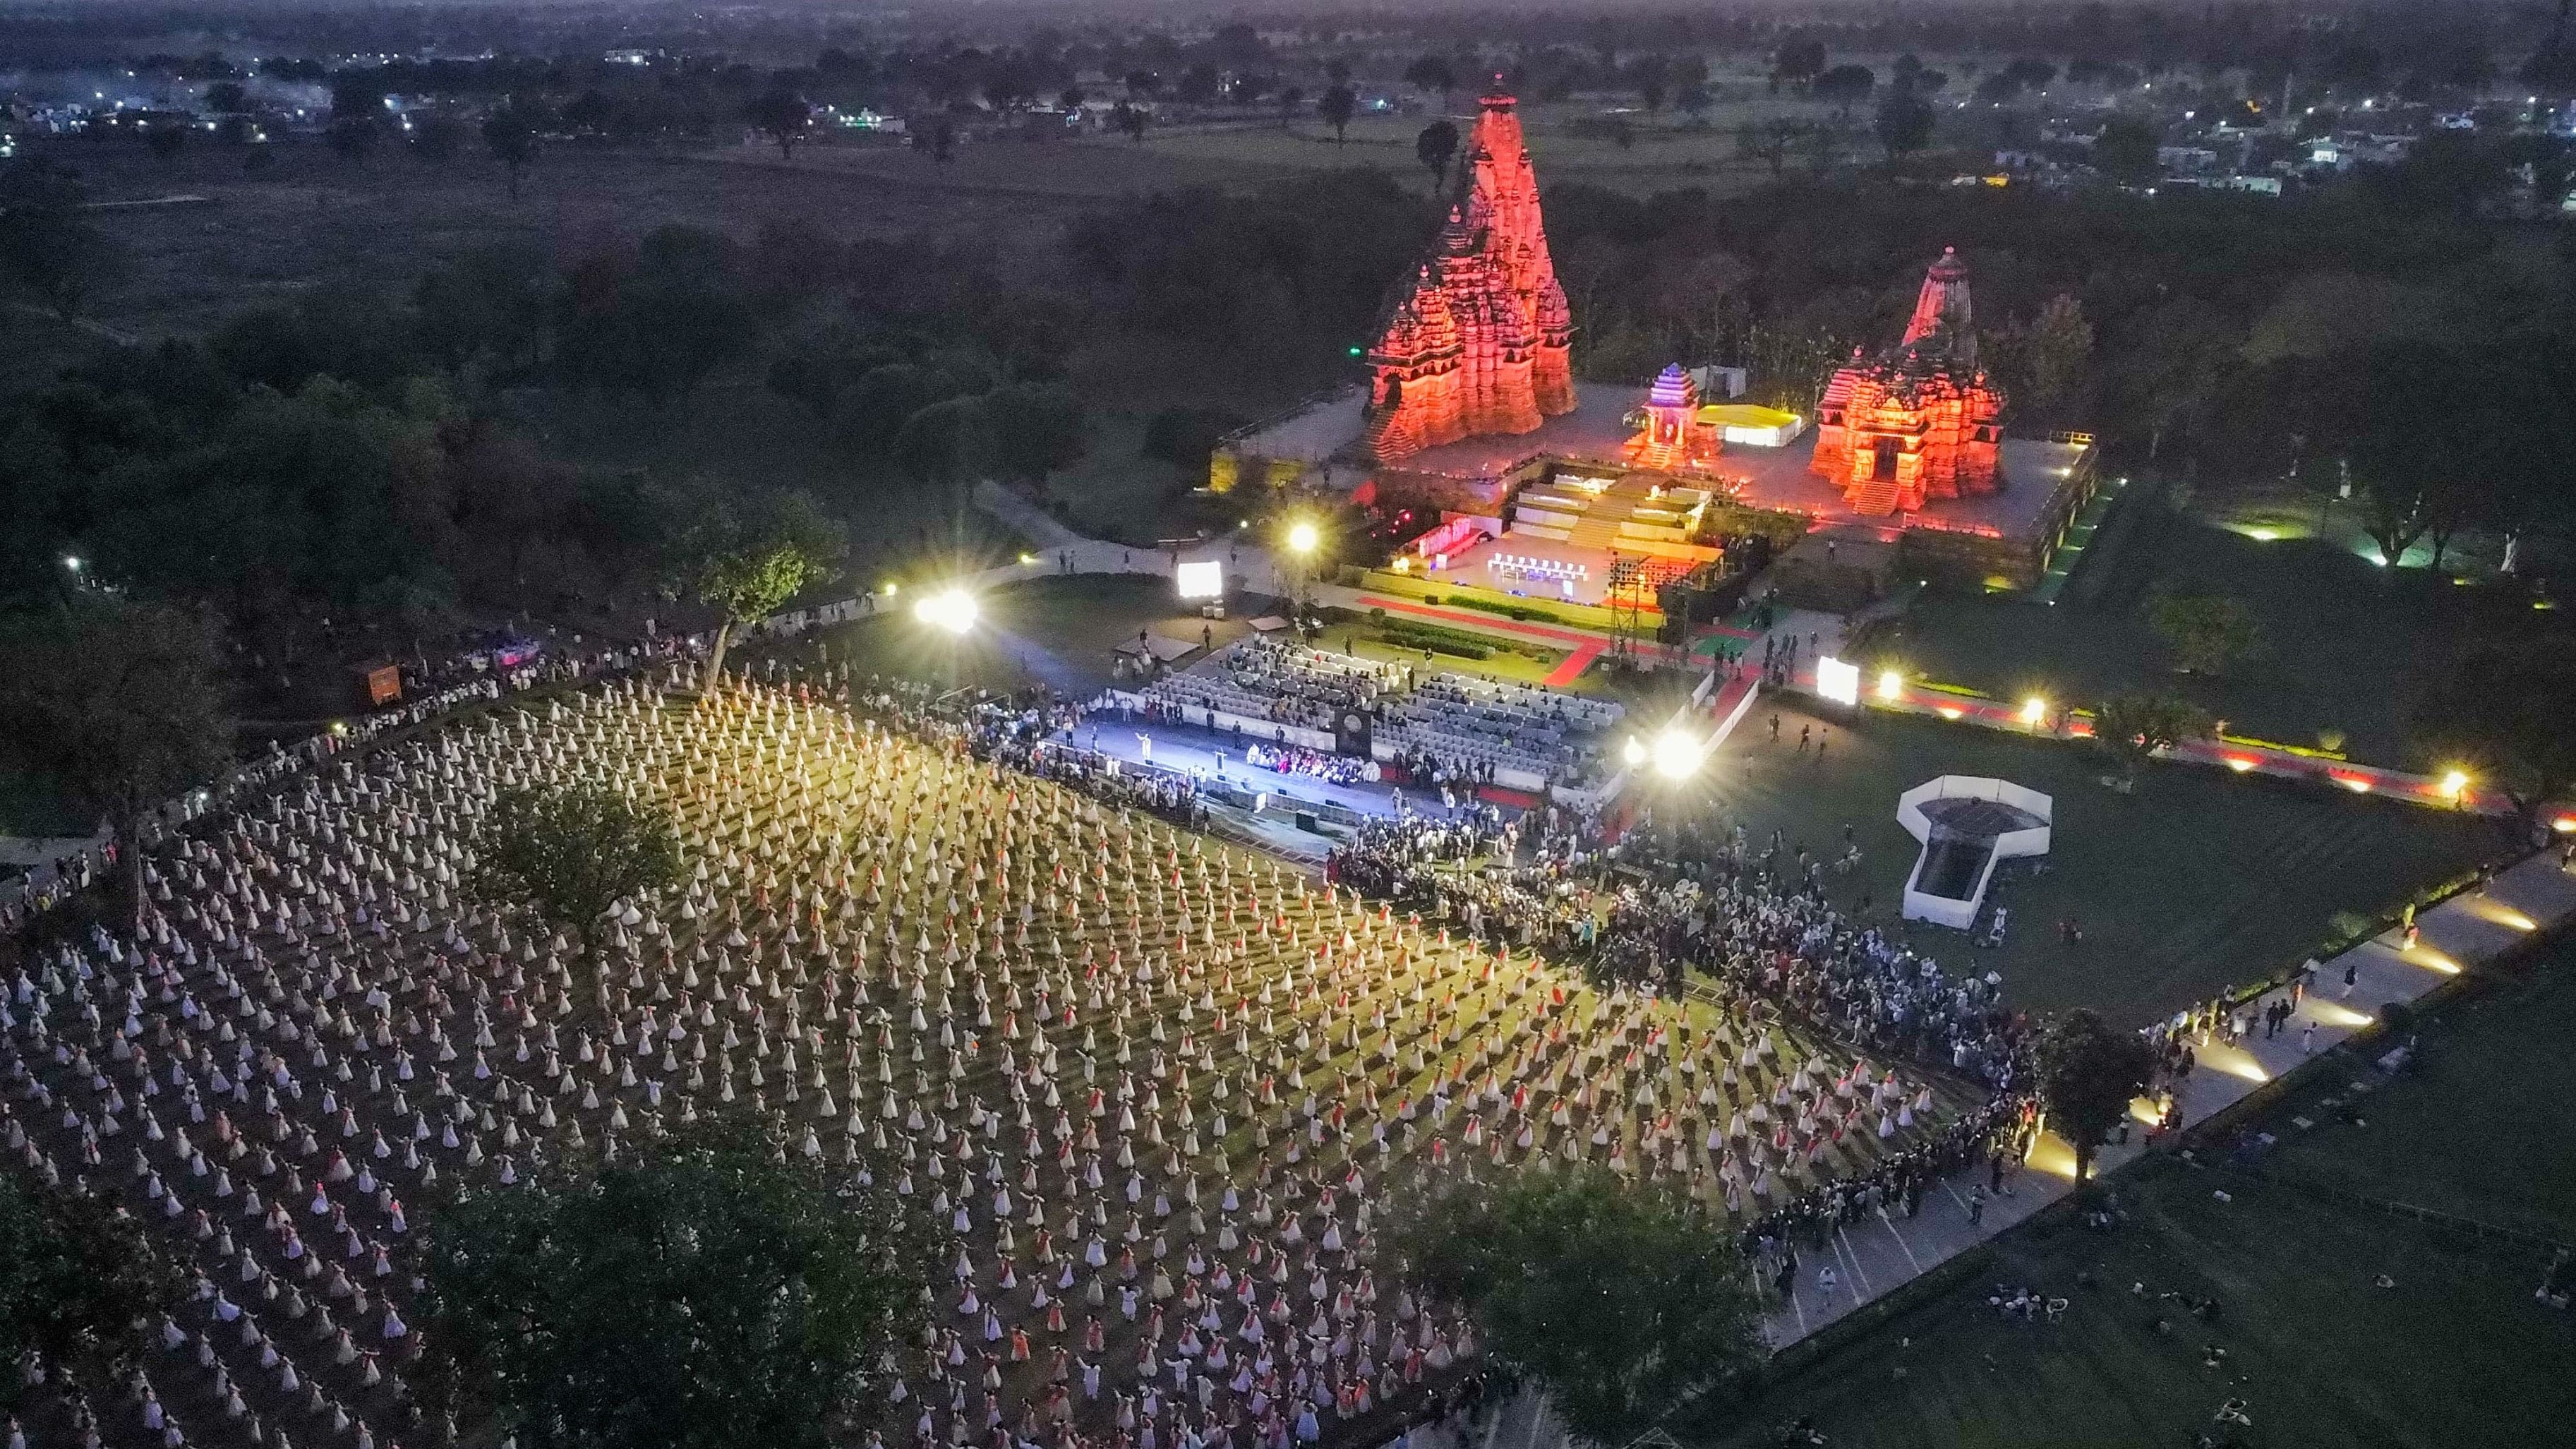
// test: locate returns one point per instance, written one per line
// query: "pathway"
(2460, 933)
(1884, 1251)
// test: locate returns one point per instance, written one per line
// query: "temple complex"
(1530, 483)
(1920, 421)
(1479, 341)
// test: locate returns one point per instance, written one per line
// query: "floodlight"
(1838, 680)
(1891, 684)
(1634, 752)
(950, 609)
(1677, 755)
(1303, 539)
(1201, 579)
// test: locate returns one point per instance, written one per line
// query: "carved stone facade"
(1920, 421)
(1480, 340)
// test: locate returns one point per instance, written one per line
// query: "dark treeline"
(349, 465)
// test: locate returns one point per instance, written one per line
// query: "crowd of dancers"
(1153, 1090)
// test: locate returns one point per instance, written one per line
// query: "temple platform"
(1999, 540)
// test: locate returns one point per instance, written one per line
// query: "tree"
(352, 137)
(1843, 87)
(783, 116)
(1766, 142)
(1652, 76)
(49, 247)
(715, 1294)
(1435, 148)
(2206, 632)
(437, 138)
(2089, 1072)
(353, 98)
(747, 566)
(1798, 62)
(510, 134)
(226, 98)
(1619, 1297)
(2054, 352)
(1336, 107)
(950, 442)
(1904, 124)
(2500, 713)
(79, 1276)
(120, 705)
(1128, 117)
(166, 140)
(2125, 151)
(567, 854)
(2131, 728)
(1431, 71)
(1041, 428)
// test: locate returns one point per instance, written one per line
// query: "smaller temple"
(1921, 421)
(1670, 433)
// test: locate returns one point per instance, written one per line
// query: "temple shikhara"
(1479, 342)
(1919, 421)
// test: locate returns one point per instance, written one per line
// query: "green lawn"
(2347, 644)
(2456, 1352)
(2478, 1129)
(2198, 879)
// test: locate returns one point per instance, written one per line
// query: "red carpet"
(1572, 669)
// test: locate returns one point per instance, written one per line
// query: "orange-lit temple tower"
(1480, 341)
(1920, 421)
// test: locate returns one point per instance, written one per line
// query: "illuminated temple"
(1920, 421)
(1479, 342)
(1513, 476)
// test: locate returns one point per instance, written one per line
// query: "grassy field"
(2347, 645)
(1059, 631)
(313, 219)
(2196, 880)
(2455, 1352)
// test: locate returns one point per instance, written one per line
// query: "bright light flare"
(950, 609)
(1838, 680)
(2033, 710)
(1891, 684)
(1304, 539)
(2239, 763)
(1200, 579)
(1677, 755)
(1634, 752)
(2454, 783)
